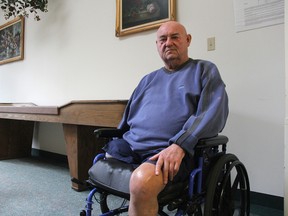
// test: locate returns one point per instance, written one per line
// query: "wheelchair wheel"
(227, 188)
(111, 203)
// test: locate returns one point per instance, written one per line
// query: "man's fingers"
(165, 172)
(159, 165)
(171, 171)
(155, 157)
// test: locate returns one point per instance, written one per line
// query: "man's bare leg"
(144, 189)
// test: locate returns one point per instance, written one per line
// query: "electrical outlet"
(211, 43)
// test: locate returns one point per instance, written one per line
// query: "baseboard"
(267, 200)
(49, 156)
(257, 198)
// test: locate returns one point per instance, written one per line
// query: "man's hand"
(169, 161)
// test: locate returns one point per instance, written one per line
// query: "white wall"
(72, 54)
(286, 111)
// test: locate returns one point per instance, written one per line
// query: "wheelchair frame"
(212, 184)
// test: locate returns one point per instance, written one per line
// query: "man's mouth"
(169, 50)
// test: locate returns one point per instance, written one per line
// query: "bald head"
(172, 44)
(176, 26)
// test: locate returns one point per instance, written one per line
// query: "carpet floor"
(33, 187)
(29, 186)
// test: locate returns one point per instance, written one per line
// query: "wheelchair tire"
(119, 204)
(228, 190)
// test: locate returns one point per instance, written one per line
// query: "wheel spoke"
(228, 189)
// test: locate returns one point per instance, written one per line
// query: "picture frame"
(12, 40)
(134, 16)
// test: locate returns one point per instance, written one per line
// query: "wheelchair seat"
(105, 174)
(218, 186)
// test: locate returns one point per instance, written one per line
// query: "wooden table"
(79, 120)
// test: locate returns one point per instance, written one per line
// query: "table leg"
(15, 138)
(81, 146)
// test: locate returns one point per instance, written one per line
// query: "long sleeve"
(123, 123)
(211, 113)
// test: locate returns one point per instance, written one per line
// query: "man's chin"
(171, 58)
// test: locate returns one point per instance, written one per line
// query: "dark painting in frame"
(12, 40)
(134, 16)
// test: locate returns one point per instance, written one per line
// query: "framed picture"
(134, 16)
(12, 41)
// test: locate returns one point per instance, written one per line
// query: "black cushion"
(113, 176)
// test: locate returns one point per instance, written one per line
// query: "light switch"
(211, 44)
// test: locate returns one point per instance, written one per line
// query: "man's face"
(173, 42)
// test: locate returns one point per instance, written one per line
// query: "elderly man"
(169, 111)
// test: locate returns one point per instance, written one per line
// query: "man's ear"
(189, 39)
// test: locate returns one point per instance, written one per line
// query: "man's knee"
(144, 182)
(137, 183)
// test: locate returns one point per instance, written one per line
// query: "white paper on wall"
(253, 14)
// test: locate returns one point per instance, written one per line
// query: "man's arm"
(211, 115)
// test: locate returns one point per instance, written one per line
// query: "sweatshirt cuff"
(185, 141)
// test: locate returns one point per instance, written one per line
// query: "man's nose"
(168, 41)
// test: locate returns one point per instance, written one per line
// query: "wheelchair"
(217, 186)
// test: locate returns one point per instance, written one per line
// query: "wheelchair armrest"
(108, 132)
(212, 142)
